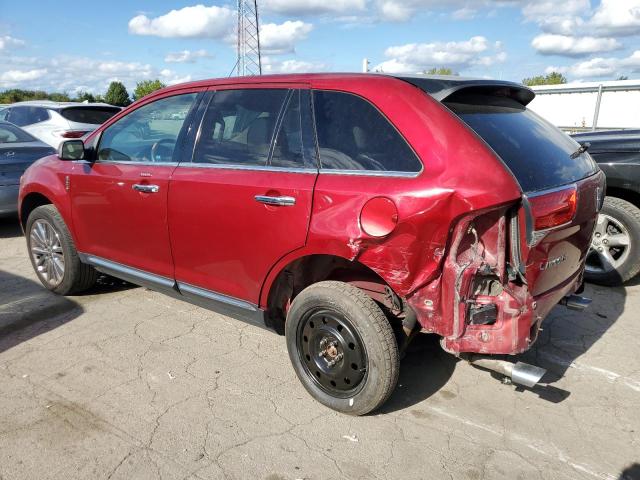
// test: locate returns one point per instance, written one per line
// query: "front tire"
(53, 254)
(342, 347)
(614, 257)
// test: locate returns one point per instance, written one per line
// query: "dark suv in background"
(615, 249)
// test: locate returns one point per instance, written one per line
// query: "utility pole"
(249, 59)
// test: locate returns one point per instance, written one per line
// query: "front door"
(245, 201)
(119, 201)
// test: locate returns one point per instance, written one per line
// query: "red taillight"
(553, 209)
(72, 133)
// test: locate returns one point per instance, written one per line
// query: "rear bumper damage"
(481, 303)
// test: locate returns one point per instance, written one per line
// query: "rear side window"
(295, 144)
(11, 134)
(91, 115)
(537, 153)
(238, 128)
(24, 116)
(353, 135)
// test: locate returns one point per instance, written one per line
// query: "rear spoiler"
(448, 89)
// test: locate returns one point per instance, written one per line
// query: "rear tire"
(342, 347)
(613, 265)
(53, 254)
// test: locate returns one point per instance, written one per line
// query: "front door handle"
(280, 201)
(146, 188)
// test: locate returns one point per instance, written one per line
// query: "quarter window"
(295, 145)
(238, 127)
(354, 135)
(149, 133)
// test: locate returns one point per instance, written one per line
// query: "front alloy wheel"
(47, 252)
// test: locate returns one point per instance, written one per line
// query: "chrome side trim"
(217, 297)
(131, 274)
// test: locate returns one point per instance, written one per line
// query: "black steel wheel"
(332, 352)
(342, 347)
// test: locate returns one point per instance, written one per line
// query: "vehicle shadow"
(567, 334)
(10, 227)
(632, 472)
(425, 369)
(28, 310)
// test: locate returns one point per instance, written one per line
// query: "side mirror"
(71, 150)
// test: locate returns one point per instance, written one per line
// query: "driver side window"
(149, 133)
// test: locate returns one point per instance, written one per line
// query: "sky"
(73, 46)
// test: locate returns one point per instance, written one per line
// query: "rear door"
(563, 188)
(245, 199)
(119, 201)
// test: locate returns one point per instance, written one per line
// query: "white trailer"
(585, 106)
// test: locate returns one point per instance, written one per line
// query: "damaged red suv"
(346, 211)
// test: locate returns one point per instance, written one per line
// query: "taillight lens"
(553, 209)
(72, 133)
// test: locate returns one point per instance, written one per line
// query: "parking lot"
(125, 383)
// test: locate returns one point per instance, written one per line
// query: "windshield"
(537, 153)
(91, 115)
(11, 134)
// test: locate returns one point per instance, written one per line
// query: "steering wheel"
(155, 146)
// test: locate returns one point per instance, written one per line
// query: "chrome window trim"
(259, 168)
(371, 173)
(125, 162)
(218, 297)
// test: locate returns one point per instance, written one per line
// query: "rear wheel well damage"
(308, 270)
(30, 203)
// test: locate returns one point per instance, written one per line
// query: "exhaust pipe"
(520, 372)
(575, 302)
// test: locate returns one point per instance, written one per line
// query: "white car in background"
(53, 122)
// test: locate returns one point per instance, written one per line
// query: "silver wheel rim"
(47, 253)
(610, 245)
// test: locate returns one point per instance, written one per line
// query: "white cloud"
(313, 7)
(404, 10)
(552, 44)
(6, 42)
(416, 57)
(13, 78)
(601, 67)
(271, 65)
(186, 56)
(67, 73)
(617, 17)
(278, 39)
(189, 22)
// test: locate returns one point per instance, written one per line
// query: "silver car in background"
(18, 150)
(54, 122)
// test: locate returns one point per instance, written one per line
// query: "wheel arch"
(631, 196)
(294, 275)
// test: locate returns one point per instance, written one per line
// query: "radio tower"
(249, 61)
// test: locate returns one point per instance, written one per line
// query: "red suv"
(346, 211)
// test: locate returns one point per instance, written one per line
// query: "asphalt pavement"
(125, 383)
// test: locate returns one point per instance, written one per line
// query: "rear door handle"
(146, 188)
(280, 201)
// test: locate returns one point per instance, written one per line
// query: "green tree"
(553, 78)
(146, 87)
(622, 77)
(440, 71)
(85, 96)
(117, 95)
(59, 97)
